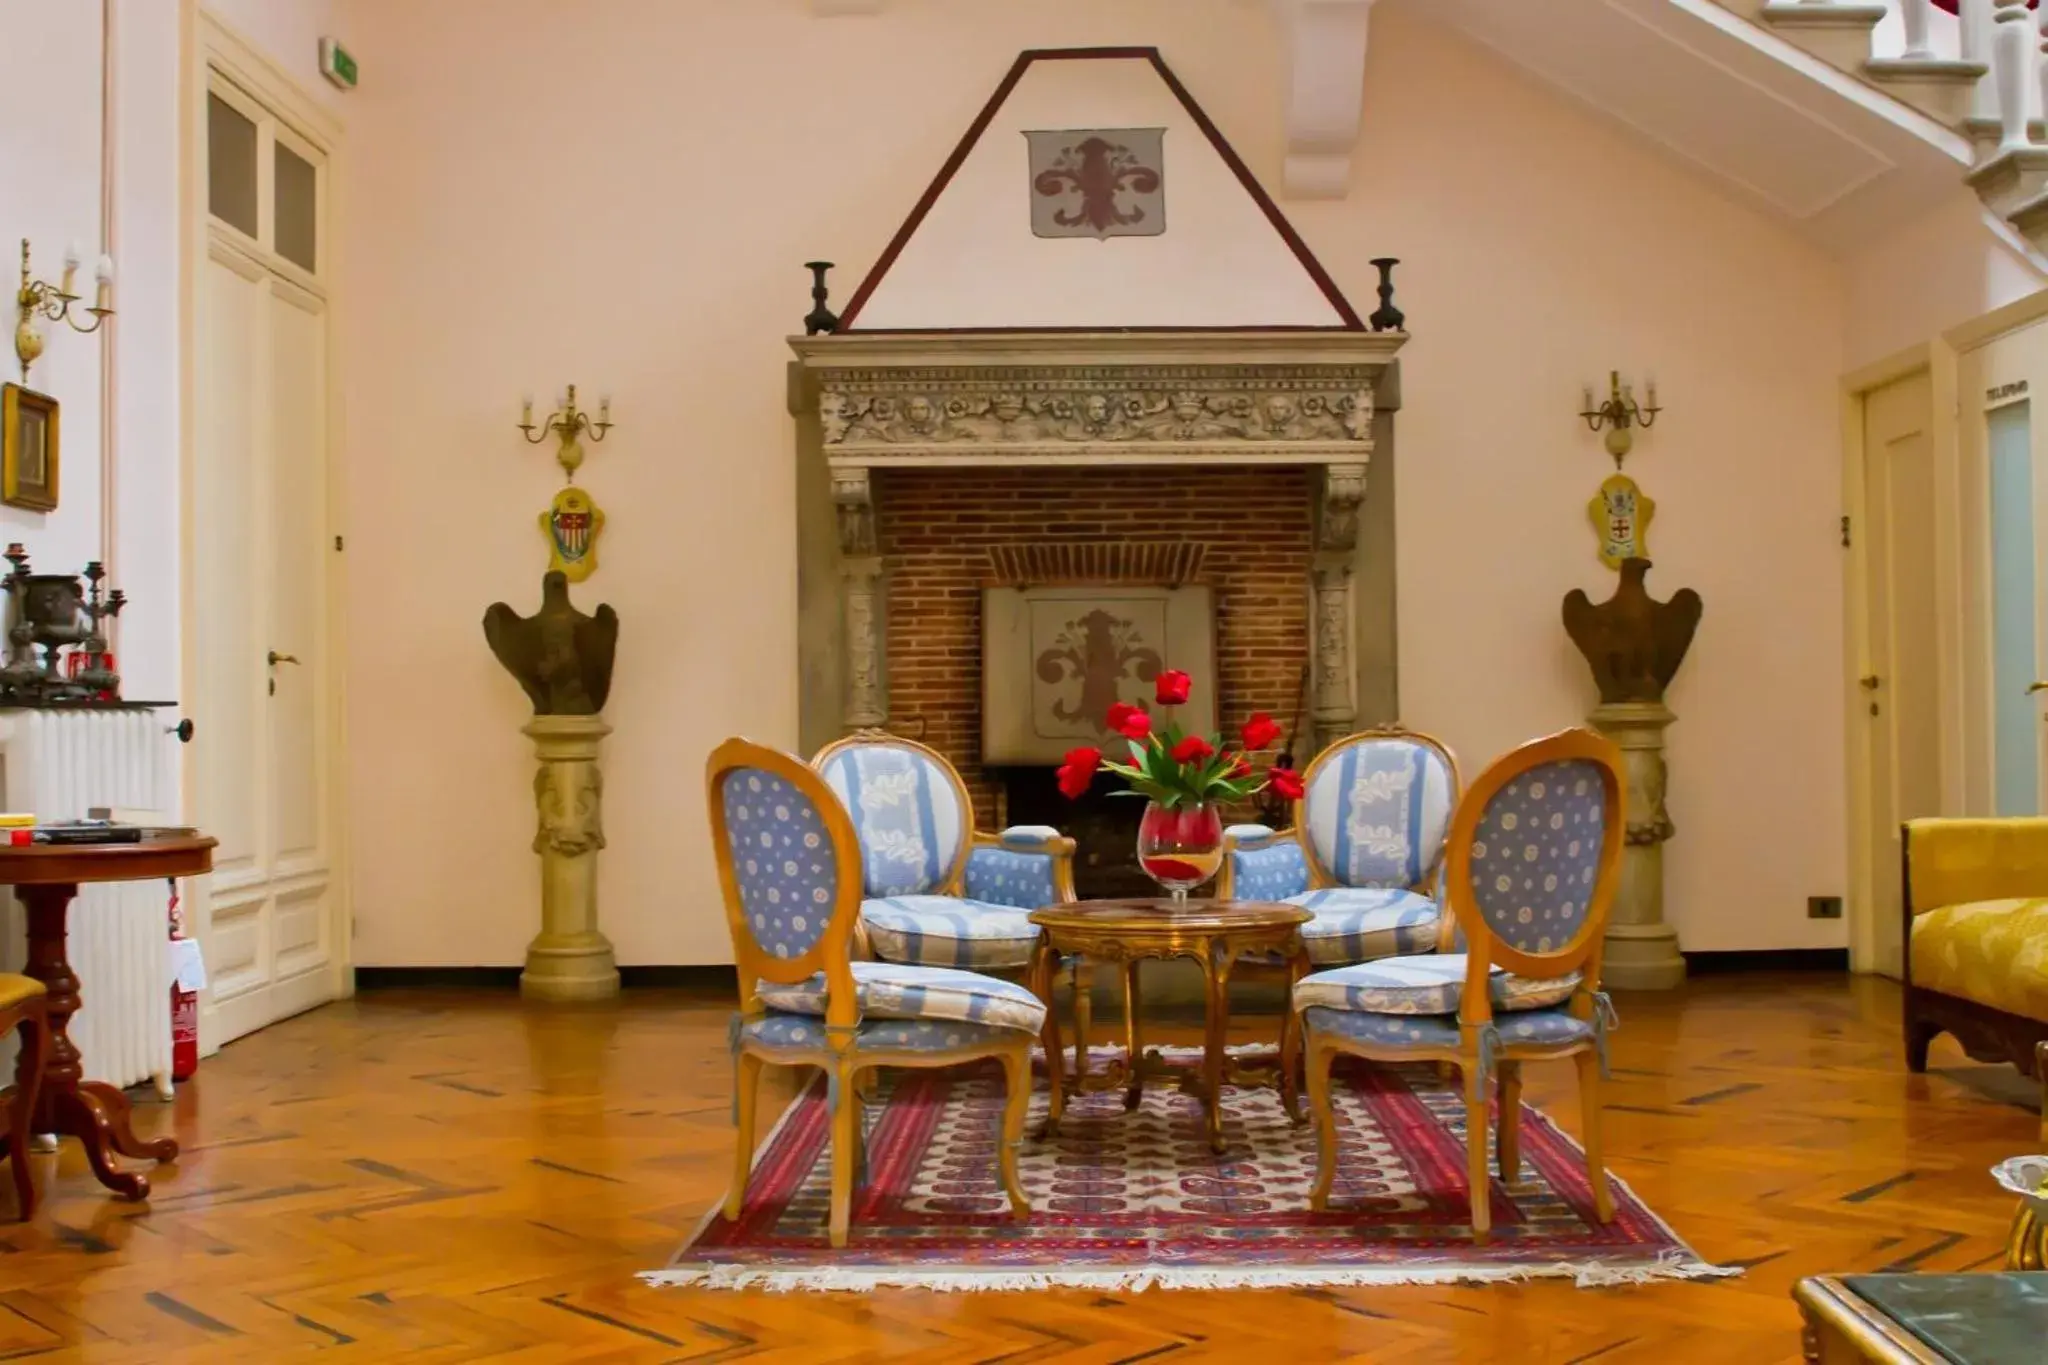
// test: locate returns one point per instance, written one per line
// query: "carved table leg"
(1134, 1053)
(91, 1111)
(1084, 1010)
(1216, 964)
(1045, 967)
(1290, 1037)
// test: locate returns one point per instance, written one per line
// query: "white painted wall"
(636, 222)
(1932, 274)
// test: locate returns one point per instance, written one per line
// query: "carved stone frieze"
(1311, 412)
(569, 795)
(867, 706)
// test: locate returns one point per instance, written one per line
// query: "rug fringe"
(857, 1279)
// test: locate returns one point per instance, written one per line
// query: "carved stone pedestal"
(1642, 950)
(569, 959)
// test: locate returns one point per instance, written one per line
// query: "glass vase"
(1180, 847)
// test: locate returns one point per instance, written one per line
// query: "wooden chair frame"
(31, 1018)
(1484, 949)
(832, 954)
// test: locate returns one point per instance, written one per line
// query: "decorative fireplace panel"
(1054, 660)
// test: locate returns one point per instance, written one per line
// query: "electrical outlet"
(1823, 907)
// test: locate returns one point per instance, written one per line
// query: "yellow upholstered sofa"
(1976, 909)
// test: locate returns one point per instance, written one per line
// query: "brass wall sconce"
(566, 425)
(39, 299)
(573, 521)
(1620, 413)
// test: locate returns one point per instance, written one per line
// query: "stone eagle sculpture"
(1633, 643)
(560, 656)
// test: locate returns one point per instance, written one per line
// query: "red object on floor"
(184, 1010)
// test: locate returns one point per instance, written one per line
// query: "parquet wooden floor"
(442, 1177)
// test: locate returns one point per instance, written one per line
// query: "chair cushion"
(1433, 984)
(806, 1033)
(1360, 923)
(949, 931)
(1440, 1032)
(1269, 873)
(895, 990)
(1009, 876)
(1992, 952)
(15, 988)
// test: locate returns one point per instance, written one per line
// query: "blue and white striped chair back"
(909, 812)
(1377, 808)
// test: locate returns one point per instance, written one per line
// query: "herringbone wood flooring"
(441, 1177)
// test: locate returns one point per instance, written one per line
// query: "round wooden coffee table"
(1215, 934)
(46, 877)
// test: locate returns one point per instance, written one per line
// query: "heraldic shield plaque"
(572, 525)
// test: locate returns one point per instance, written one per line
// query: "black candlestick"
(1387, 318)
(820, 318)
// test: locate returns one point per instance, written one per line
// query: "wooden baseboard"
(713, 978)
(1769, 960)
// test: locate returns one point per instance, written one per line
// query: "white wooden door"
(1898, 693)
(2005, 473)
(262, 545)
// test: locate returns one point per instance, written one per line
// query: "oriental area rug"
(1137, 1200)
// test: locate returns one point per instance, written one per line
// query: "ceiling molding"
(829, 9)
(1325, 43)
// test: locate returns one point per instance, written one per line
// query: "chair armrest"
(1952, 862)
(1025, 866)
(1261, 865)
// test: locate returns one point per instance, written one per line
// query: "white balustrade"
(1918, 16)
(1974, 24)
(2013, 48)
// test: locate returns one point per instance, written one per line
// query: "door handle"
(2034, 687)
(1869, 682)
(277, 658)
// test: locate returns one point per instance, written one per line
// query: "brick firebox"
(939, 531)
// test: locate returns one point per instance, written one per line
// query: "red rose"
(1130, 721)
(1193, 749)
(1173, 687)
(1239, 765)
(1260, 731)
(1078, 771)
(1285, 783)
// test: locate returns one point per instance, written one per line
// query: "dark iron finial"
(1387, 318)
(820, 318)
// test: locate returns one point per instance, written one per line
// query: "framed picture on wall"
(28, 449)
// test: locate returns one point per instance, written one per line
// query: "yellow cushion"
(1992, 952)
(15, 989)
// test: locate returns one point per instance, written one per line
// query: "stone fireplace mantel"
(869, 402)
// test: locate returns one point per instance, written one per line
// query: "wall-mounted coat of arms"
(1097, 182)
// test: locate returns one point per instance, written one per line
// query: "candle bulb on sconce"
(36, 300)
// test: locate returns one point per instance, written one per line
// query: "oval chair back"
(910, 810)
(1534, 857)
(1375, 808)
(790, 868)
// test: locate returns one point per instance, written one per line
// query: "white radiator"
(59, 764)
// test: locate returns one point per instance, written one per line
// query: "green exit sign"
(337, 65)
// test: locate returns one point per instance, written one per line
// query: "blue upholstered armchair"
(938, 893)
(1366, 850)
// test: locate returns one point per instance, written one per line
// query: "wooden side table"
(1983, 1319)
(46, 877)
(1215, 934)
